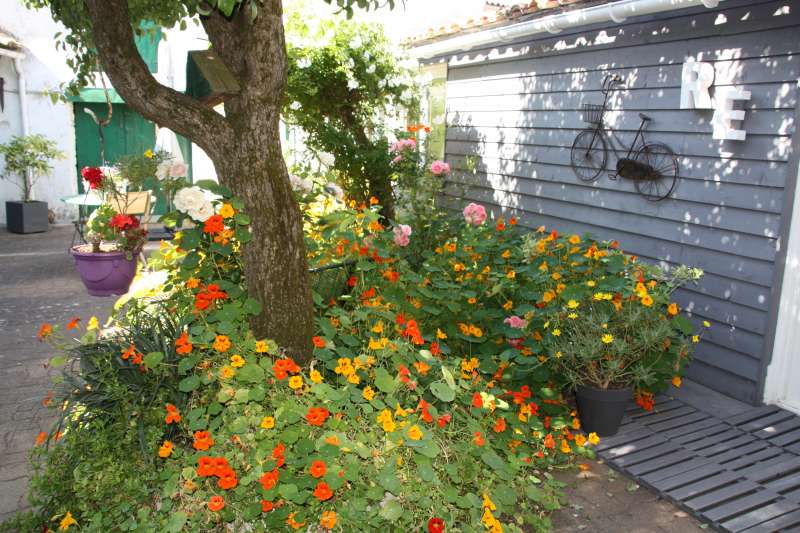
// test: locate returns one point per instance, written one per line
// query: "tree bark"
(244, 146)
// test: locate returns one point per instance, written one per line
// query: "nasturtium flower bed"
(429, 405)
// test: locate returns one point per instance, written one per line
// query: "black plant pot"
(600, 410)
(26, 217)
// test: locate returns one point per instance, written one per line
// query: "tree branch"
(116, 49)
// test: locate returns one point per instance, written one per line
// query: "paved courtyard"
(38, 283)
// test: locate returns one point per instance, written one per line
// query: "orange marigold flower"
(316, 416)
(269, 479)
(328, 519)
(216, 503)
(202, 440)
(318, 469)
(322, 491)
(45, 330)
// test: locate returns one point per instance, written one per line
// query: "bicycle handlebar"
(609, 83)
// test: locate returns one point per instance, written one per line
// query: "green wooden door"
(128, 133)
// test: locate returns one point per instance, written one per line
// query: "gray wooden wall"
(518, 107)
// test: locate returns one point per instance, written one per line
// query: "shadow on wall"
(520, 116)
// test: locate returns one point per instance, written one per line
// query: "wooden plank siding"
(517, 107)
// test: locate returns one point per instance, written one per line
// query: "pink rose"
(516, 322)
(474, 214)
(440, 168)
(178, 170)
(397, 159)
(401, 235)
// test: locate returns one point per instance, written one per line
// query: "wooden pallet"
(741, 474)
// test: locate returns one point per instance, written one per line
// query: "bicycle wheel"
(662, 174)
(589, 155)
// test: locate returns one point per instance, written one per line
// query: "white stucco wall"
(45, 68)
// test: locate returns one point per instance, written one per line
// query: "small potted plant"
(107, 263)
(27, 159)
(619, 336)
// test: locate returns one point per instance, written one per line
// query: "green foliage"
(29, 158)
(344, 81)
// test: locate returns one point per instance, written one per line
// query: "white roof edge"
(615, 12)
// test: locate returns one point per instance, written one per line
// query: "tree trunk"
(275, 262)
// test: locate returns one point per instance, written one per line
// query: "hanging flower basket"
(104, 273)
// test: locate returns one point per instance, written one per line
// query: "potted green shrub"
(619, 336)
(27, 159)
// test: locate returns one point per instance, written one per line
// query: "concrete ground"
(38, 283)
(601, 500)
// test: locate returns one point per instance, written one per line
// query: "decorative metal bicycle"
(652, 166)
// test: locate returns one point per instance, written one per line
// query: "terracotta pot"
(105, 273)
(601, 410)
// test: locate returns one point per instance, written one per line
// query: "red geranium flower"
(435, 525)
(124, 222)
(94, 176)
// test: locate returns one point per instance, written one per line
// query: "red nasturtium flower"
(205, 467)
(41, 438)
(283, 367)
(435, 525)
(319, 342)
(443, 420)
(317, 469)
(216, 503)
(228, 481)
(73, 324)
(478, 439)
(269, 479)
(322, 491)
(549, 442)
(499, 425)
(267, 506)
(317, 416)
(202, 440)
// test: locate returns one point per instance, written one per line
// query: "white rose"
(202, 212)
(189, 198)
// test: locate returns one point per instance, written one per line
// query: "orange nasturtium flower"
(192, 283)
(45, 330)
(222, 343)
(316, 416)
(672, 309)
(269, 479)
(165, 450)
(216, 503)
(182, 344)
(202, 440)
(227, 211)
(294, 524)
(319, 342)
(318, 469)
(41, 438)
(478, 439)
(73, 324)
(173, 415)
(328, 520)
(322, 491)
(414, 433)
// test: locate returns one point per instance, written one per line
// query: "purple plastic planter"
(105, 273)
